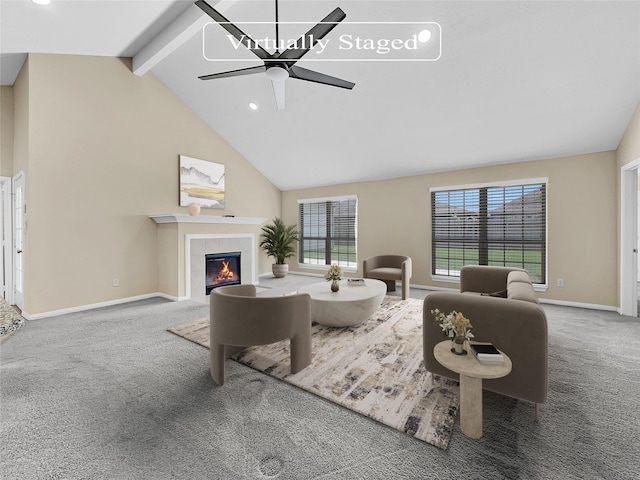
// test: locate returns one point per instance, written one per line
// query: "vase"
(194, 209)
(335, 286)
(458, 346)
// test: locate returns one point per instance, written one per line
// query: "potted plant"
(277, 240)
(455, 326)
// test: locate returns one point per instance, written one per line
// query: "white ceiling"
(516, 81)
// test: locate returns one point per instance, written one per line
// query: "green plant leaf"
(278, 239)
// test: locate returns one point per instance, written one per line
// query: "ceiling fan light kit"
(280, 65)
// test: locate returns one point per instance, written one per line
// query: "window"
(501, 225)
(328, 231)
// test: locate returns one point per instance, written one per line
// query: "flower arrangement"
(454, 325)
(334, 273)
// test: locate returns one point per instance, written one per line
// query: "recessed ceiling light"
(42, 2)
(253, 106)
(424, 36)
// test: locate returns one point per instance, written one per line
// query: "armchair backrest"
(238, 317)
(389, 261)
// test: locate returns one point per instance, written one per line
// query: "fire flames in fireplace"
(222, 269)
(225, 273)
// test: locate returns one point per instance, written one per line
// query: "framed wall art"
(201, 183)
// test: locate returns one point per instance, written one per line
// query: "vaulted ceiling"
(512, 81)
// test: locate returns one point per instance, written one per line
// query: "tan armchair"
(389, 268)
(239, 319)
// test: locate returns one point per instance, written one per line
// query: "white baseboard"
(550, 301)
(590, 306)
(82, 308)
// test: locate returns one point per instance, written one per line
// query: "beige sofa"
(503, 308)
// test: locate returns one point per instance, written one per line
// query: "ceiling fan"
(280, 65)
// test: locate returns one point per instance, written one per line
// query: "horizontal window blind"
(496, 225)
(328, 230)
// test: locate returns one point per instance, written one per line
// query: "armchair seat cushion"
(385, 273)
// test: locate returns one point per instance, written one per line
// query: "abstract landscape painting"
(201, 182)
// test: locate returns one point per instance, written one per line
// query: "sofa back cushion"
(484, 279)
(519, 287)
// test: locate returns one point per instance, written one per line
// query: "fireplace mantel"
(183, 218)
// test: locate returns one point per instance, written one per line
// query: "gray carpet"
(110, 394)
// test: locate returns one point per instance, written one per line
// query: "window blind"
(328, 230)
(493, 225)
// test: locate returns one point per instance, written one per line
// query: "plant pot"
(458, 346)
(280, 270)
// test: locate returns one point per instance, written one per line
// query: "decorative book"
(487, 354)
(355, 282)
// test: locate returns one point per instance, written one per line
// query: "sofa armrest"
(484, 279)
(517, 328)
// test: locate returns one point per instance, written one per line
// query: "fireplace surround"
(182, 245)
(198, 246)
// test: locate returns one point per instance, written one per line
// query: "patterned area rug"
(375, 369)
(10, 320)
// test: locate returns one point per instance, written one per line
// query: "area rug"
(10, 320)
(375, 369)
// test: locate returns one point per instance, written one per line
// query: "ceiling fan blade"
(309, 39)
(317, 77)
(233, 30)
(235, 73)
(278, 92)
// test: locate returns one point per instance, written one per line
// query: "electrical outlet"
(116, 282)
(560, 282)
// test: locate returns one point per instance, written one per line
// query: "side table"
(471, 373)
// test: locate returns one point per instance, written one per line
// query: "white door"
(18, 240)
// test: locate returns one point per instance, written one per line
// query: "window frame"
(327, 239)
(543, 285)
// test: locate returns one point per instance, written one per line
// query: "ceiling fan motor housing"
(277, 73)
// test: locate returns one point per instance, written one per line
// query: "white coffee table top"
(348, 306)
(347, 293)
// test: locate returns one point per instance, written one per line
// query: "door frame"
(6, 245)
(629, 239)
(18, 300)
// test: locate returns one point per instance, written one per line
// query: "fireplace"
(221, 269)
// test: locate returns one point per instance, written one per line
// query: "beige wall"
(103, 147)
(100, 148)
(394, 217)
(6, 131)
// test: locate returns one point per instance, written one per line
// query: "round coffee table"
(348, 306)
(471, 374)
